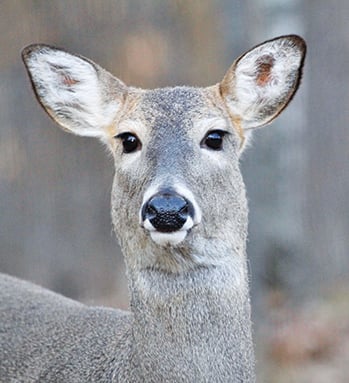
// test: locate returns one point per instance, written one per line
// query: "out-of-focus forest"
(55, 224)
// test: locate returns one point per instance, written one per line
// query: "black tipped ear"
(261, 83)
(79, 95)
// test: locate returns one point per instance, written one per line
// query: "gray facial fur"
(173, 156)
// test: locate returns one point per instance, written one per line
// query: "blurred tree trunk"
(327, 142)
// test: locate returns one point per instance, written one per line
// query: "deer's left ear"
(261, 83)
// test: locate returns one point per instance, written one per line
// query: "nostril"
(184, 211)
(150, 211)
(167, 212)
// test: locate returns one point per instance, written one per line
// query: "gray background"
(55, 188)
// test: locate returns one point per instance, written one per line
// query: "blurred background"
(55, 224)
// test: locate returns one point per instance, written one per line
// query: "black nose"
(167, 211)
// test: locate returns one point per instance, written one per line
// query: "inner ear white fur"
(261, 83)
(78, 94)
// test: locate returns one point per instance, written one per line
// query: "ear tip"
(296, 41)
(31, 49)
(299, 41)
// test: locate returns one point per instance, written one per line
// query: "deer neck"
(194, 325)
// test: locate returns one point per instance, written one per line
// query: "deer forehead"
(175, 115)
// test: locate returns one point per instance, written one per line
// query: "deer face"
(179, 150)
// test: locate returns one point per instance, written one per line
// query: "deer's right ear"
(79, 95)
(261, 83)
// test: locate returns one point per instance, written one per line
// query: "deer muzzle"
(168, 216)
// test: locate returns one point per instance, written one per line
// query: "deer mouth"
(168, 237)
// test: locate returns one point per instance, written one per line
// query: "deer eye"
(214, 140)
(130, 142)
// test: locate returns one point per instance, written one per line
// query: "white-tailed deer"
(180, 212)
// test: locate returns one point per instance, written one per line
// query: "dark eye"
(130, 142)
(214, 140)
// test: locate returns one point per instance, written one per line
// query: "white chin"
(173, 238)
